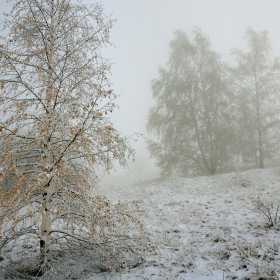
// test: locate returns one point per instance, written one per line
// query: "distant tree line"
(209, 115)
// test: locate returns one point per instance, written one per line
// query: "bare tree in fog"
(257, 95)
(192, 114)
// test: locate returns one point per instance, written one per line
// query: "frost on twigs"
(55, 132)
(270, 210)
(101, 239)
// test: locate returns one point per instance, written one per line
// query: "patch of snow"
(205, 227)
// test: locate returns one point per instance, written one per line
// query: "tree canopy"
(256, 83)
(191, 115)
(209, 115)
(54, 131)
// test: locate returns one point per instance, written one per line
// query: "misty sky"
(144, 29)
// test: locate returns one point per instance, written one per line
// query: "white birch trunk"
(46, 227)
(46, 215)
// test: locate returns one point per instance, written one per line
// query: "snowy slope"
(205, 227)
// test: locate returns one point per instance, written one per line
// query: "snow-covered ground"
(204, 227)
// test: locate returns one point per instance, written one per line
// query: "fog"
(217, 113)
(141, 36)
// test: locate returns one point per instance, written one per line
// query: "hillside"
(205, 227)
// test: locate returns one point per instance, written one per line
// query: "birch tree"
(54, 132)
(192, 114)
(257, 96)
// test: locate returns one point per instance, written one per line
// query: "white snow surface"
(204, 227)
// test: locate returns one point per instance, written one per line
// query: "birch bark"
(46, 214)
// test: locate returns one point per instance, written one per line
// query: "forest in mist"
(211, 116)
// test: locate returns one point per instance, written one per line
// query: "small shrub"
(270, 210)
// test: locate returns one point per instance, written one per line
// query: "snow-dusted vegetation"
(204, 227)
(58, 136)
(55, 99)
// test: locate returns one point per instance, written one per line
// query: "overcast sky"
(142, 34)
(143, 31)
